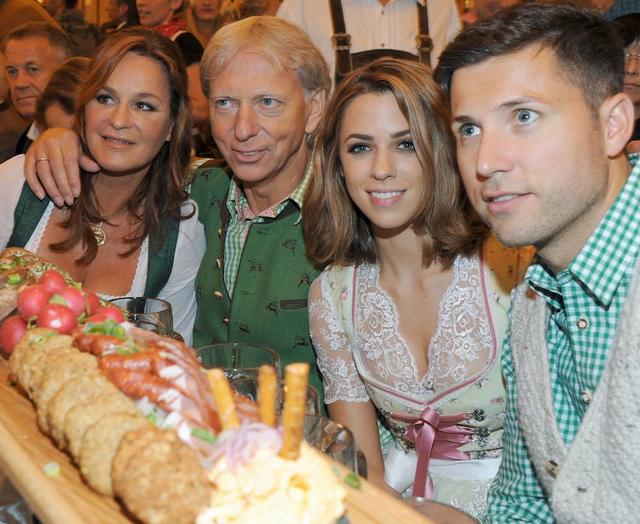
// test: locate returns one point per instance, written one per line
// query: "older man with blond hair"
(266, 84)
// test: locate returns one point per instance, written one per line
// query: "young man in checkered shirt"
(541, 122)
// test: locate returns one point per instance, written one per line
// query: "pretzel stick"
(267, 391)
(224, 398)
(296, 377)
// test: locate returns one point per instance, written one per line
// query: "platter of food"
(104, 422)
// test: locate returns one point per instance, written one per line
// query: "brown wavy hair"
(162, 192)
(336, 231)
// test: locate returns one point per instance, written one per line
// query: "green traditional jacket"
(269, 303)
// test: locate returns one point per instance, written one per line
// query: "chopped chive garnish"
(51, 469)
(203, 434)
(14, 280)
(352, 480)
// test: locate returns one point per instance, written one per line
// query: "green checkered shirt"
(242, 218)
(584, 301)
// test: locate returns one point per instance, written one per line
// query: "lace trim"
(341, 380)
(377, 355)
(460, 348)
(36, 238)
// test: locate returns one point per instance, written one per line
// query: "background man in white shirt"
(374, 24)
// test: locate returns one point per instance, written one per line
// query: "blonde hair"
(281, 43)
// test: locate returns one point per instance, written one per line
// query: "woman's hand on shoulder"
(52, 165)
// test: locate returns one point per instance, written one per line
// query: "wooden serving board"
(66, 499)
(24, 451)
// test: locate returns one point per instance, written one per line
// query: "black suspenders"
(424, 42)
(346, 61)
(341, 41)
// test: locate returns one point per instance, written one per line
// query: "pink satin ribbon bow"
(434, 436)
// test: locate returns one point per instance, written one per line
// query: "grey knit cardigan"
(597, 479)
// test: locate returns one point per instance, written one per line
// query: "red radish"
(96, 319)
(31, 300)
(57, 317)
(52, 281)
(11, 331)
(91, 303)
(71, 297)
(112, 312)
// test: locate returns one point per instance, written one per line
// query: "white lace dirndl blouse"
(452, 415)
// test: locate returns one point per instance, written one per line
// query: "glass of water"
(331, 438)
(150, 314)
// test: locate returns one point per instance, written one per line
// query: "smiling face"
(30, 62)
(259, 117)
(533, 156)
(379, 163)
(129, 119)
(155, 12)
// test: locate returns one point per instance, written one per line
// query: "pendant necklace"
(98, 229)
(99, 233)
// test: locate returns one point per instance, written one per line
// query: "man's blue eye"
(468, 130)
(269, 103)
(524, 116)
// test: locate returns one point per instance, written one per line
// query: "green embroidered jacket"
(269, 303)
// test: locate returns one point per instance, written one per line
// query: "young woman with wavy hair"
(408, 316)
(124, 233)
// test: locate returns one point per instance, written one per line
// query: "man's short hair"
(56, 37)
(588, 52)
(281, 43)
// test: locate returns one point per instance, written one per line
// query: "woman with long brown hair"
(123, 235)
(408, 316)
